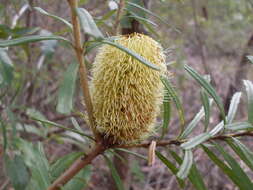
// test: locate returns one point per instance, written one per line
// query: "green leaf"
(186, 165)
(171, 167)
(151, 13)
(42, 11)
(67, 89)
(249, 89)
(29, 39)
(236, 168)
(238, 126)
(142, 19)
(136, 171)
(4, 134)
(194, 175)
(35, 159)
(210, 90)
(195, 141)
(6, 68)
(17, 172)
(250, 58)
(173, 95)
(35, 113)
(75, 124)
(105, 17)
(217, 129)
(206, 105)
(22, 31)
(60, 165)
(233, 107)
(27, 128)
(47, 122)
(48, 46)
(6, 31)
(131, 53)
(242, 151)
(115, 174)
(133, 153)
(166, 112)
(80, 181)
(225, 169)
(88, 24)
(193, 123)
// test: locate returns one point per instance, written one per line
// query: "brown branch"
(102, 146)
(121, 6)
(179, 142)
(77, 166)
(82, 69)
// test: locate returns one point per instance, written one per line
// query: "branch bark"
(179, 142)
(77, 166)
(102, 146)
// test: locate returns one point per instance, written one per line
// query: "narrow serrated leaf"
(236, 168)
(210, 90)
(217, 129)
(206, 105)
(242, 151)
(233, 107)
(166, 112)
(225, 169)
(151, 13)
(142, 19)
(189, 128)
(133, 153)
(249, 89)
(115, 174)
(194, 175)
(47, 122)
(195, 141)
(171, 167)
(239, 126)
(173, 95)
(131, 53)
(186, 165)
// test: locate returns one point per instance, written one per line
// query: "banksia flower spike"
(127, 94)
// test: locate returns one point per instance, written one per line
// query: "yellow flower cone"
(127, 94)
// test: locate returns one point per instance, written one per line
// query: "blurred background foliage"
(39, 80)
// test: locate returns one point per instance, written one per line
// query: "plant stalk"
(82, 69)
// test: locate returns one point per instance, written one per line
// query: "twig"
(102, 146)
(179, 142)
(77, 166)
(82, 69)
(121, 6)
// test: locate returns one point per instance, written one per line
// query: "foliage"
(26, 70)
